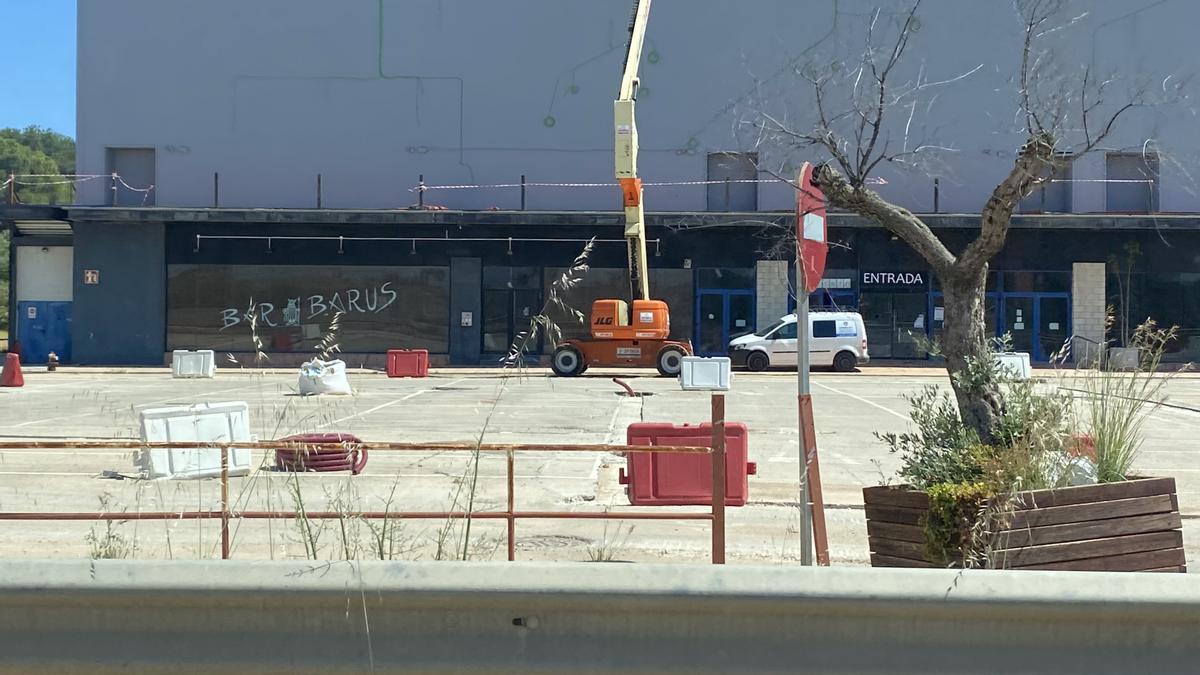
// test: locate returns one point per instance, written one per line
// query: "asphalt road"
(459, 406)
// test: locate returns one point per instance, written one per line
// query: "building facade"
(253, 169)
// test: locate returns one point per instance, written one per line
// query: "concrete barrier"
(299, 617)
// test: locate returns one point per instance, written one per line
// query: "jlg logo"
(604, 321)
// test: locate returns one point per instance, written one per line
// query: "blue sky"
(39, 50)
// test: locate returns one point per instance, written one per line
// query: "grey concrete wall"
(771, 291)
(371, 93)
(120, 616)
(1088, 311)
(466, 275)
(121, 320)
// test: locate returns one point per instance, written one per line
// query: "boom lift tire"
(670, 361)
(567, 361)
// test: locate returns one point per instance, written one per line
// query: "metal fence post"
(225, 503)
(112, 186)
(318, 191)
(522, 192)
(216, 190)
(718, 479)
(512, 521)
(421, 191)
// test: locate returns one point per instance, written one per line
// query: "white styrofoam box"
(324, 377)
(1014, 364)
(706, 373)
(186, 363)
(203, 422)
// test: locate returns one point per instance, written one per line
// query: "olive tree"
(858, 119)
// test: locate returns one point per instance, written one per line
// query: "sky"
(38, 85)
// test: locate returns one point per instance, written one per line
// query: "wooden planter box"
(1132, 526)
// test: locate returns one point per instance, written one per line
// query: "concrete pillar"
(1088, 311)
(771, 291)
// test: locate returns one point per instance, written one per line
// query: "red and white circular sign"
(810, 229)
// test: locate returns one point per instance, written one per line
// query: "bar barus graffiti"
(300, 309)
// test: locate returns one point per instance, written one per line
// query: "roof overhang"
(677, 219)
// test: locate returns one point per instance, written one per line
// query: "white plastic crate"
(706, 374)
(1014, 364)
(203, 422)
(188, 364)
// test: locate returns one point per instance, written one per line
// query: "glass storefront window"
(1168, 299)
(991, 281)
(673, 286)
(1037, 282)
(512, 277)
(895, 323)
(725, 278)
(292, 306)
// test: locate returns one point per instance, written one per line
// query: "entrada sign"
(893, 279)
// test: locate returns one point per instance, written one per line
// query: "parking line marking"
(389, 404)
(104, 411)
(861, 399)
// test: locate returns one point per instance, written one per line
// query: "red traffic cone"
(11, 375)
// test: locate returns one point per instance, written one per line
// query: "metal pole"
(936, 195)
(216, 190)
(522, 192)
(421, 191)
(728, 206)
(802, 367)
(512, 521)
(718, 479)
(112, 183)
(318, 191)
(225, 503)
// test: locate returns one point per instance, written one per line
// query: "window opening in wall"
(1131, 184)
(1054, 195)
(734, 189)
(135, 176)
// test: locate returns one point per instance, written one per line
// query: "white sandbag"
(324, 377)
(1067, 470)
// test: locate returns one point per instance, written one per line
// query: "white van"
(837, 339)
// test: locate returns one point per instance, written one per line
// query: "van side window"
(785, 332)
(824, 329)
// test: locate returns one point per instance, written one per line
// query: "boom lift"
(621, 337)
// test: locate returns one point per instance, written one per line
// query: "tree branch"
(1032, 161)
(903, 223)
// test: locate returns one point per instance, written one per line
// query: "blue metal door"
(720, 314)
(1038, 322)
(44, 327)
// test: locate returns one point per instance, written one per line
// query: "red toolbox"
(349, 459)
(657, 479)
(407, 362)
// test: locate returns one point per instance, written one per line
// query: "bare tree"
(862, 117)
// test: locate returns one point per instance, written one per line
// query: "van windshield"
(767, 331)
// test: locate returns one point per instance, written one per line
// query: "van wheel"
(567, 361)
(845, 362)
(670, 361)
(757, 361)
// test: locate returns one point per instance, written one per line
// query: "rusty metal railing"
(510, 514)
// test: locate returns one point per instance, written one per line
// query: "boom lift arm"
(627, 151)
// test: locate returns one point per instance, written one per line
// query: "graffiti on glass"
(298, 309)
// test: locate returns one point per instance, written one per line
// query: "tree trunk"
(964, 344)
